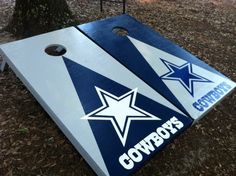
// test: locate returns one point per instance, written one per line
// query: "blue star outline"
(184, 74)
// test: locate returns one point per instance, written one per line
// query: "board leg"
(124, 4)
(3, 65)
(101, 7)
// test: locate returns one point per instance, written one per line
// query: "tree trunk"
(33, 17)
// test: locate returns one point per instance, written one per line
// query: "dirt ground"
(31, 143)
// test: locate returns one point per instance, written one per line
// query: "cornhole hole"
(114, 119)
(190, 84)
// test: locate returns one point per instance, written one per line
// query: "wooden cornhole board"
(189, 83)
(114, 118)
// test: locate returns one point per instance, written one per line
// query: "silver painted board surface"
(84, 80)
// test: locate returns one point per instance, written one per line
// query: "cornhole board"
(112, 117)
(112, 114)
(189, 83)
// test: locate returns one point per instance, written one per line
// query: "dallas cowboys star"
(120, 111)
(184, 74)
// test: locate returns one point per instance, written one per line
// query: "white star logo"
(120, 111)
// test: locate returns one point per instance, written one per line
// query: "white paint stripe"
(153, 57)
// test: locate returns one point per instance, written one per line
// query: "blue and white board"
(190, 84)
(113, 118)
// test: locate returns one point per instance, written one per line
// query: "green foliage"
(23, 130)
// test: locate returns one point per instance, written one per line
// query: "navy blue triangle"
(108, 141)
